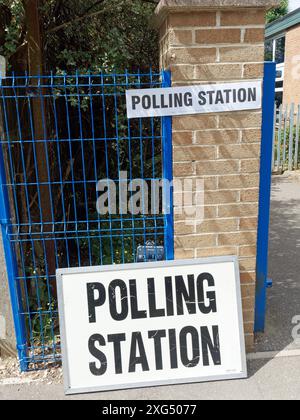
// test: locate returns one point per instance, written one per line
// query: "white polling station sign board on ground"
(141, 325)
(188, 100)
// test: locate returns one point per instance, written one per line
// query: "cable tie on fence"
(4, 221)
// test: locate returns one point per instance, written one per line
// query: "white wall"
(293, 4)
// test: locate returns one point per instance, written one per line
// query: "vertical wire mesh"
(62, 134)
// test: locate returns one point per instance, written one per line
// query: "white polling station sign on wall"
(188, 100)
(141, 325)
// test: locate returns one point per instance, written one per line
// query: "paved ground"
(269, 377)
(284, 265)
(276, 379)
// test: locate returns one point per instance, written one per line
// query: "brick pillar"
(208, 41)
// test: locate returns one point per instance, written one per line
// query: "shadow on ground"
(283, 302)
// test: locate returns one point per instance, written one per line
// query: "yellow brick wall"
(292, 67)
(222, 149)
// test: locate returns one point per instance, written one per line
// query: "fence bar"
(296, 161)
(274, 138)
(285, 125)
(279, 138)
(291, 137)
(168, 174)
(265, 195)
(11, 265)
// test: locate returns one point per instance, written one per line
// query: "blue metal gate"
(61, 135)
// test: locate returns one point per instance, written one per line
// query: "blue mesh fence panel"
(61, 135)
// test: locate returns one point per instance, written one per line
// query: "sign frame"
(126, 267)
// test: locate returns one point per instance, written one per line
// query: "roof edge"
(283, 23)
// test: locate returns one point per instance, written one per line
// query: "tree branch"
(92, 6)
(77, 19)
(86, 15)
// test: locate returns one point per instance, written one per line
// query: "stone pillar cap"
(168, 6)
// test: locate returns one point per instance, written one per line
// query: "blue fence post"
(265, 195)
(168, 172)
(12, 267)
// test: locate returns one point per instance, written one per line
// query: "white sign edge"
(124, 267)
(178, 112)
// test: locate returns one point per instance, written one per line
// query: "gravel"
(9, 369)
